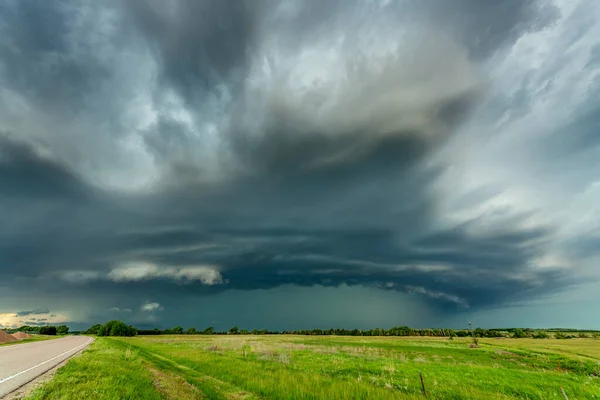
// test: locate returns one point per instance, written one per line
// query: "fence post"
(423, 384)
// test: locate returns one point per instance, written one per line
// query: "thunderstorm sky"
(291, 164)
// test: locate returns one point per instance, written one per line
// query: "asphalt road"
(22, 363)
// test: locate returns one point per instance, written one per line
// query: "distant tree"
(493, 333)
(62, 329)
(116, 328)
(102, 331)
(191, 331)
(518, 333)
(154, 331)
(177, 330)
(234, 330)
(93, 330)
(402, 331)
(560, 335)
(209, 331)
(48, 330)
(121, 329)
(28, 329)
(596, 335)
(583, 335)
(540, 335)
(480, 332)
(107, 327)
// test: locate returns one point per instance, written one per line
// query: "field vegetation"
(328, 367)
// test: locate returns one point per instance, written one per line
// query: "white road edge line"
(45, 362)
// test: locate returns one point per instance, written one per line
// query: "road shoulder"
(26, 389)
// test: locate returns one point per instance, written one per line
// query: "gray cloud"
(135, 272)
(38, 311)
(151, 307)
(485, 26)
(199, 148)
(199, 44)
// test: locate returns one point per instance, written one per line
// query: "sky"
(286, 164)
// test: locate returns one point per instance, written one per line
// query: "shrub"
(560, 335)
(93, 330)
(518, 333)
(48, 330)
(62, 329)
(116, 328)
(177, 330)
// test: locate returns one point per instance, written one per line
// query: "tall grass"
(299, 367)
(104, 371)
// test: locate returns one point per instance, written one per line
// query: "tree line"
(112, 328)
(119, 328)
(42, 330)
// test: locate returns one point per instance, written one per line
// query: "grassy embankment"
(34, 338)
(299, 367)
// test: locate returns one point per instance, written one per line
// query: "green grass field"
(328, 367)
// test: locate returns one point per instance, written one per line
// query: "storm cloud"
(158, 155)
(33, 312)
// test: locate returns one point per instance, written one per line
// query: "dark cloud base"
(266, 241)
